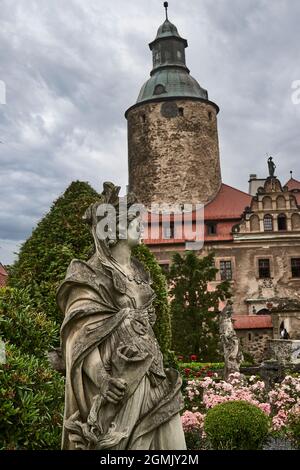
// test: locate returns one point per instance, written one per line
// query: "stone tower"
(173, 150)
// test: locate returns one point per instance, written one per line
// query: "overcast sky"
(73, 67)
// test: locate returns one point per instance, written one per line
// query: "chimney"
(255, 183)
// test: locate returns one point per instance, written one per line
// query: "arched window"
(282, 223)
(254, 223)
(268, 223)
(263, 311)
(296, 222)
(267, 202)
(281, 204)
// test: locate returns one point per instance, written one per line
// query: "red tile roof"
(225, 209)
(249, 322)
(3, 276)
(293, 184)
(229, 203)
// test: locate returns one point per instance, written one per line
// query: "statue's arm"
(112, 389)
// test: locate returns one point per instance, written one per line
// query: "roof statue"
(272, 167)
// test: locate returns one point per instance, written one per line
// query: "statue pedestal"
(284, 351)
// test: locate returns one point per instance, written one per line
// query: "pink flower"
(192, 421)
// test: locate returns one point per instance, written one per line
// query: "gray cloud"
(73, 68)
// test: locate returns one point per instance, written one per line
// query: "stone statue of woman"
(233, 356)
(118, 394)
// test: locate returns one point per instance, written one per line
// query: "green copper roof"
(170, 76)
(174, 82)
(167, 29)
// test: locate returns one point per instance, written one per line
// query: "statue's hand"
(113, 390)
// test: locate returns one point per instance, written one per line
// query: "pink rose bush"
(192, 421)
(285, 401)
(282, 403)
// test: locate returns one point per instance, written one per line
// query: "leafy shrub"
(31, 402)
(236, 425)
(21, 324)
(248, 358)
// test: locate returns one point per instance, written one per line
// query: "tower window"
(143, 118)
(226, 270)
(159, 89)
(295, 262)
(268, 223)
(180, 111)
(282, 225)
(209, 115)
(249, 337)
(264, 268)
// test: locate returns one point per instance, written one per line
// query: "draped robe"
(102, 311)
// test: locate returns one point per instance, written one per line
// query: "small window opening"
(212, 229)
(282, 225)
(264, 269)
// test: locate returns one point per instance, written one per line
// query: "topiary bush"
(60, 236)
(236, 425)
(31, 402)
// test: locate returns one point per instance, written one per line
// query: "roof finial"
(166, 4)
(291, 172)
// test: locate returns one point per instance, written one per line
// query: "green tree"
(194, 308)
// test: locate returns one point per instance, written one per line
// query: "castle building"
(173, 157)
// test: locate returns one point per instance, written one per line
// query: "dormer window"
(159, 89)
(212, 229)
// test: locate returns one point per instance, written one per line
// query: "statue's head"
(113, 218)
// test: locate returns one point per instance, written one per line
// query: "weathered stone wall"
(255, 342)
(249, 291)
(173, 152)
